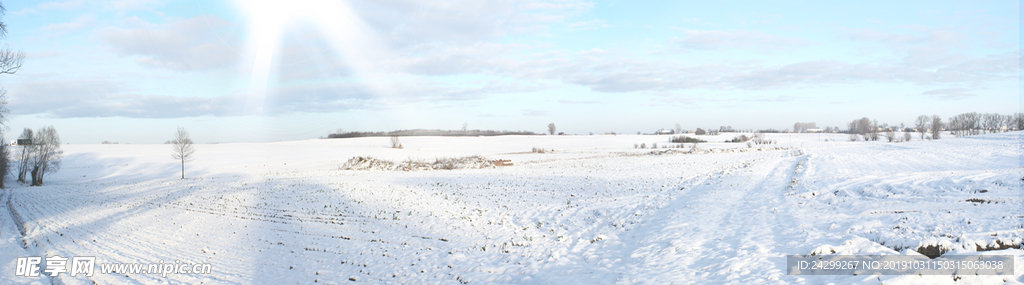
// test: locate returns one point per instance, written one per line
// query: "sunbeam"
(343, 30)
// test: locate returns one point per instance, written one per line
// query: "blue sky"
(245, 71)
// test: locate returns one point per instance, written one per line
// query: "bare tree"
(921, 124)
(890, 135)
(5, 163)
(47, 154)
(906, 135)
(551, 128)
(10, 62)
(183, 148)
(1018, 121)
(873, 130)
(395, 143)
(679, 128)
(464, 126)
(972, 122)
(936, 126)
(25, 156)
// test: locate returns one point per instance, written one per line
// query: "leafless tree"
(47, 154)
(5, 163)
(906, 135)
(953, 124)
(464, 126)
(10, 62)
(183, 148)
(1018, 121)
(551, 128)
(395, 143)
(921, 124)
(679, 128)
(936, 127)
(1008, 123)
(972, 121)
(25, 156)
(890, 135)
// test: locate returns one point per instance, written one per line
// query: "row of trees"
(420, 132)
(974, 123)
(965, 124)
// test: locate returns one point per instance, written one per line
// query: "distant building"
(23, 142)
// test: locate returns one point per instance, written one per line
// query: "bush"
(739, 139)
(395, 143)
(685, 139)
(759, 139)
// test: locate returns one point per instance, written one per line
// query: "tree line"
(931, 127)
(421, 132)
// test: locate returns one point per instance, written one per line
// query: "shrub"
(395, 143)
(739, 139)
(759, 139)
(685, 139)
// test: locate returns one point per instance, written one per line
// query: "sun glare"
(337, 24)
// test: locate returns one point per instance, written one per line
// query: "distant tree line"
(421, 132)
(803, 127)
(974, 123)
(931, 127)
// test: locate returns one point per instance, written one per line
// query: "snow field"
(595, 211)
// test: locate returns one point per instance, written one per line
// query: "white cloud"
(588, 25)
(72, 26)
(191, 44)
(63, 5)
(733, 39)
(949, 93)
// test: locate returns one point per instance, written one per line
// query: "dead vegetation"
(448, 163)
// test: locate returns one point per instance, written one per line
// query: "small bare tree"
(551, 128)
(395, 143)
(464, 126)
(25, 156)
(183, 148)
(906, 135)
(921, 124)
(936, 126)
(679, 128)
(5, 163)
(890, 135)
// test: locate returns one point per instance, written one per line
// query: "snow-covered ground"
(596, 210)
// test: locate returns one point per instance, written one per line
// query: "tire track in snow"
(720, 230)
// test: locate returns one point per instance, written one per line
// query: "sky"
(248, 71)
